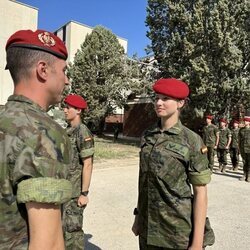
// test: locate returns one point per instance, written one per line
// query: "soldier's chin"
(57, 100)
(159, 114)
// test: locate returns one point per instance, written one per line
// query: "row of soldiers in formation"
(236, 141)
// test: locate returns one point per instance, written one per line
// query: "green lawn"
(107, 149)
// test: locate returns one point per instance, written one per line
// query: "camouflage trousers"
(234, 155)
(72, 225)
(210, 157)
(222, 156)
(246, 166)
(144, 246)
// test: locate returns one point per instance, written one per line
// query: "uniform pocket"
(173, 174)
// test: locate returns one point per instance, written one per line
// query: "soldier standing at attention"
(211, 139)
(80, 172)
(234, 146)
(35, 152)
(172, 157)
(225, 138)
(244, 144)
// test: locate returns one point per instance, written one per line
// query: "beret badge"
(46, 39)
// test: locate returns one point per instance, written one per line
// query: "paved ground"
(108, 217)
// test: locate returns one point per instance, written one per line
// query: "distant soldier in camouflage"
(244, 144)
(211, 139)
(225, 138)
(172, 158)
(80, 172)
(234, 146)
(35, 152)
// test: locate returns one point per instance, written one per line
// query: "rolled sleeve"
(87, 152)
(199, 172)
(44, 190)
(200, 178)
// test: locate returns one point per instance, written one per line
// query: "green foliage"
(142, 73)
(98, 74)
(206, 43)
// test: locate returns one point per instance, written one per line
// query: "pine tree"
(99, 74)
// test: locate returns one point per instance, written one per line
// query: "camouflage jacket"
(169, 162)
(35, 154)
(82, 142)
(224, 135)
(235, 138)
(209, 135)
(244, 140)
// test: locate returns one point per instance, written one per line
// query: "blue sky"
(125, 18)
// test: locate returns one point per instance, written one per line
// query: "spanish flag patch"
(88, 139)
(204, 150)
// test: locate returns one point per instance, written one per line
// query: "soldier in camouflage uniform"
(35, 152)
(211, 139)
(244, 144)
(80, 172)
(172, 158)
(234, 146)
(225, 138)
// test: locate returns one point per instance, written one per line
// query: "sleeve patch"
(204, 150)
(88, 139)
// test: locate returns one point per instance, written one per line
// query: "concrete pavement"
(113, 195)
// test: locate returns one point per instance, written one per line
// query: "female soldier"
(169, 214)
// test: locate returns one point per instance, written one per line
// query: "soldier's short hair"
(21, 60)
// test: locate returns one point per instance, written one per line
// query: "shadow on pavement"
(88, 245)
(229, 172)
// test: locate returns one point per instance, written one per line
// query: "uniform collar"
(71, 130)
(21, 98)
(176, 129)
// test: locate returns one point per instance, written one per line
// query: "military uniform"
(83, 146)
(234, 148)
(35, 157)
(244, 143)
(209, 137)
(170, 161)
(224, 135)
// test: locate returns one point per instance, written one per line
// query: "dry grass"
(107, 149)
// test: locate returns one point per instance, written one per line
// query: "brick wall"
(137, 118)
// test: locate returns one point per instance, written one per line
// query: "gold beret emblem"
(204, 150)
(46, 39)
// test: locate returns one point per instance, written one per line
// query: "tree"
(206, 43)
(99, 74)
(143, 71)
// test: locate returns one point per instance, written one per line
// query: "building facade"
(73, 34)
(14, 16)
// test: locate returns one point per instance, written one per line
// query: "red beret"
(209, 117)
(38, 40)
(223, 120)
(76, 101)
(247, 119)
(171, 87)
(235, 121)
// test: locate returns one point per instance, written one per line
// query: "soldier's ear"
(78, 111)
(181, 103)
(42, 70)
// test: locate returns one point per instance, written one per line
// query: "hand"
(215, 147)
(82, 201)
(135, 227)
